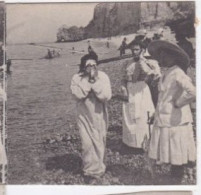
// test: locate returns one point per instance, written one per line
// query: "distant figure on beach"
(107, 44)
(73, 50)
(89, 43)
(91, 89)
(9, 63)
(137, 98)
(172, 139)
(156, 37)
(123, 46)
(49, 54)
(92, 53)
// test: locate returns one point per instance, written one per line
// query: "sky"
(29, 23)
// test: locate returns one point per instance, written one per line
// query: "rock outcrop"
(111, 19)
(70, 34)
(114, 19)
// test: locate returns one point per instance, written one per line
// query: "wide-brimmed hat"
(156, 47)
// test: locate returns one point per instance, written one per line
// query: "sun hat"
(155, 48)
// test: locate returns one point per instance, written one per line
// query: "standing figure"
(172, 138)
(137, 96)
(9, 63)
(108, 44)
(91, 89)
(92, 53)
(49, 54)
(123, 46)
(156, 37)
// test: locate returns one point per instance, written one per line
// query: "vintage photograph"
(101, 93)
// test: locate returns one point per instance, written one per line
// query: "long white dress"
(135, 111)
(172, 138)
(92, 120)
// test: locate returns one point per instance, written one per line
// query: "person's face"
(136, 51)
(91, 66)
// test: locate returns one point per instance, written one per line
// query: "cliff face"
(112, 19)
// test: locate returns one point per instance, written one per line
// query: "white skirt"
(135, 127)
(173, 145)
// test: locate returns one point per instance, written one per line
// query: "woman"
(92, 90)
(172, 136)
(138, 101)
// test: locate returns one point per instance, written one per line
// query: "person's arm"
(102, 88)
(189, 94)
(156, 69)
(80, 88)
(124, 94)
(124, 74)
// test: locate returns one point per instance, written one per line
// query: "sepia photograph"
(101, 93)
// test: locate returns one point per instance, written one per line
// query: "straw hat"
(156, 47)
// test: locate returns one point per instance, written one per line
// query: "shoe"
(177, 171)
(91, 180)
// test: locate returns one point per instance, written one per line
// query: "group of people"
(52, 53)
(140, 37)
(170, 137)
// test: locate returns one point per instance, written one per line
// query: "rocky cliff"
(112, 19)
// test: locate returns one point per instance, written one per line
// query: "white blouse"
(176, 92)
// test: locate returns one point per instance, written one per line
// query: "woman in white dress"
(139, 101)
(172, 138)
(91, 89)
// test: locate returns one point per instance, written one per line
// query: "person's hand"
(176, 105)
(151, 120)
(93, 75)
(124, 91)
